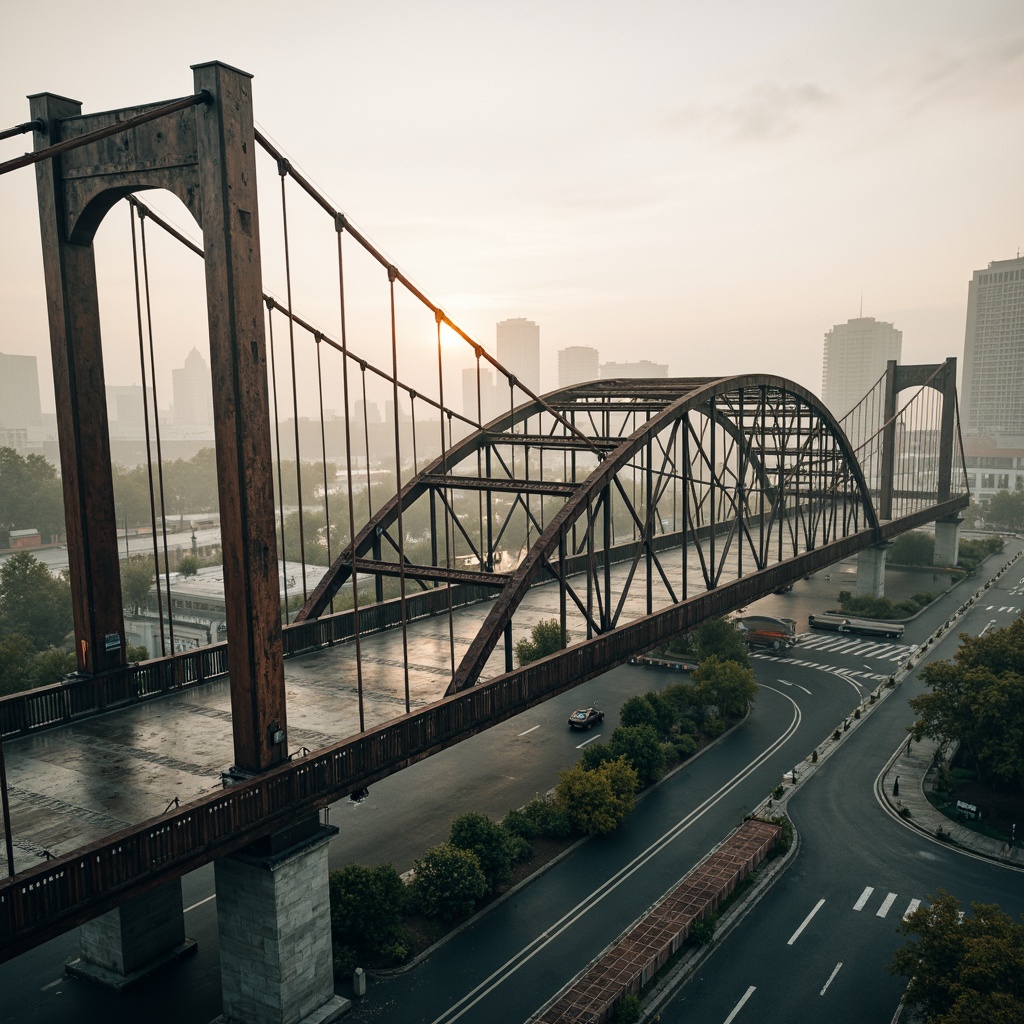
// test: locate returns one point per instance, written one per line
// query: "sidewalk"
(912, 767)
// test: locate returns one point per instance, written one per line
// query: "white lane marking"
(911, 907)
(52, 984)
(886, 904)
(532, 948)
(580, 746)
(807, 921)
(200, 903)
(739, 1006)
(528, 731)
(797, 685)
(991, 622)
(864, 897)
(830, 977)
(868, 668)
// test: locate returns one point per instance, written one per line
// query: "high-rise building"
(992, 395)
(856, 354)
(642, 369)
(519, 350)
(193, 396)
(19, 393)
(578, 364)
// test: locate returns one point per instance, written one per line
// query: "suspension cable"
(156, 432)
(323, 452)
(277, 451)
(283, 171)
(392, 276)
(448, 539)
(204, 96)
(149, 451)
(339, 227)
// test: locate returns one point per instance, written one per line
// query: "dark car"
(585, 718)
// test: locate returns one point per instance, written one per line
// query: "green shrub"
(598, 801)
(449, 882)
(786, 838)
(713, 728)
(640, 745)
(703, 931)
(595, 755)
(628, 1010)
(489, 841)
(548, 819)
(638, 711)
(687, 727)
(366, 907)
(516, 823)
(686, 746)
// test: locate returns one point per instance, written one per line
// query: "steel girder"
(666, 484)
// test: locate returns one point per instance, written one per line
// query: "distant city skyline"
(854, 357)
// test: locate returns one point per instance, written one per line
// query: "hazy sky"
(710, 186)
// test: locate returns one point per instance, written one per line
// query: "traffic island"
(633, 960)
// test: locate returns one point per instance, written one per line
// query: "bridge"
(639, 508)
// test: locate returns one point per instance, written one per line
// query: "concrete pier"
(127, 945)
(871, 571)
(274, 916)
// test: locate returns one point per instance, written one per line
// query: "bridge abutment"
(947, 541)
(128, 944)
(274, 917)
(871, 571)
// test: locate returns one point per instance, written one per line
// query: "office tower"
(641, 369)
(578, 364)
(519, 351)
(193, 396)
(126, 410)
(19, 393)
(856, 354)
(992, 395)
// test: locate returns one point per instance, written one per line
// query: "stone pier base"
(947, 542)
(871, 571)
(125, 946)
(274, 917)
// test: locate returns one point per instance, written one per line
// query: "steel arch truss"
(662, 490)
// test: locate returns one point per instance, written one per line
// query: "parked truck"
(765, 631)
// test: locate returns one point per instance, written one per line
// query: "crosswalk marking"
(886, 905)
(911, 907)
(864, 897)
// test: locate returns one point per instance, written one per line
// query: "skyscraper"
(519, 350)
(193, 396)
(19, 392)
(578, 364)
(993, 382)
(855, 356)
(641, 369)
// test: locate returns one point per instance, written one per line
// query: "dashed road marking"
(886, 904)
(911, 907)
(739, 1006)
(806, 922)
(835, 971)
(580, 746)
(528, 731)
(864, 897)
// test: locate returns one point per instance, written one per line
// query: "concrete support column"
(947, 541)
(127, 945)
(274, 918)
(871, 571)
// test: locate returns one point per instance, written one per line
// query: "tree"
(597, 801)
(642, 748)
(545, 639)
(188, 565)
(30, 495)
(366, 906)
(33, 602)
(914, 548)
(962, 969)
(15, 657)
(638, 711)
(725, 684)
(489, 841)
(50, 666)
(449, 882)
(713, 636)
(136, 578)
(978, 699)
